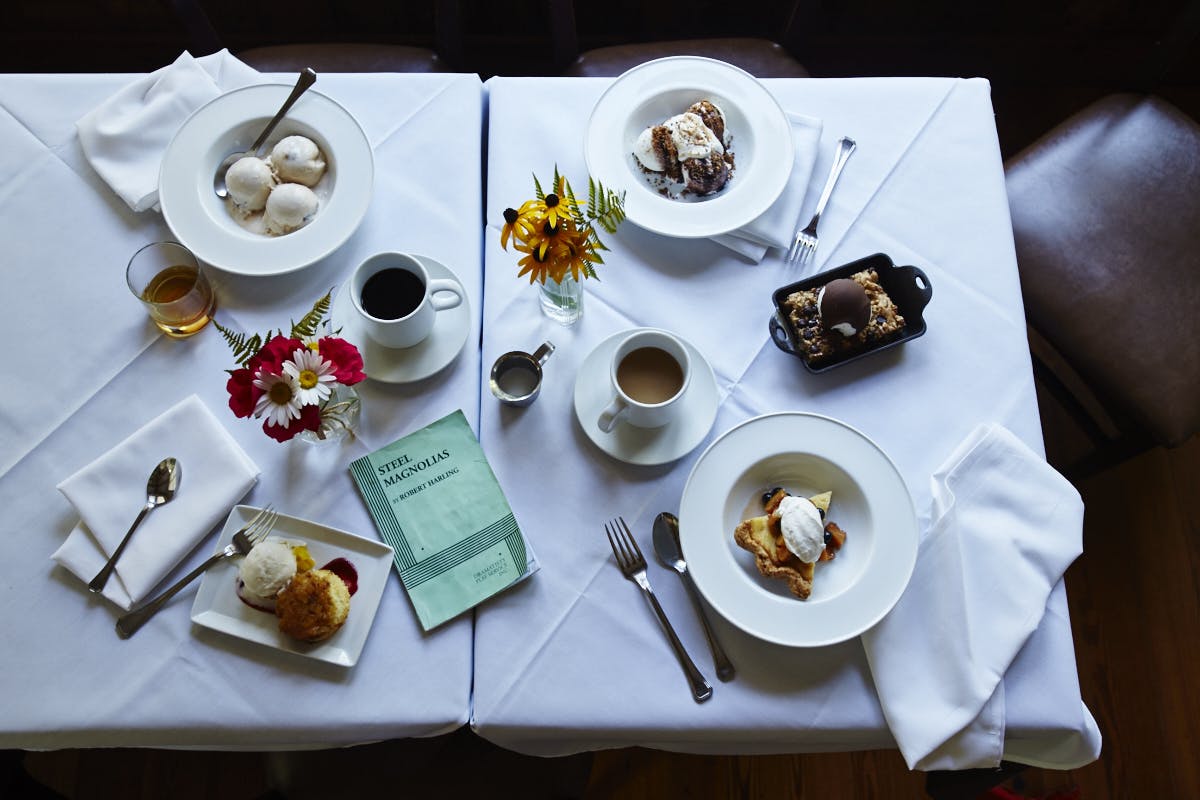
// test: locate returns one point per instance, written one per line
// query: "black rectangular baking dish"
(908, 287)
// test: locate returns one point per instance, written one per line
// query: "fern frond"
(310, 323)
(537, 188)
(609, 208)
(243, 346)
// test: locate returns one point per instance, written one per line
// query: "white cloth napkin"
(1005, 526)
(124, 138)
(776, 226)
(215, 474)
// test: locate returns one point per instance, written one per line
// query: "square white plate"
(217, 605)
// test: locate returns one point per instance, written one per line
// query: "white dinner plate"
(217, 605)
(645, 446)
(805, 454)
(231, 122)
(646, 95)
(406, 364)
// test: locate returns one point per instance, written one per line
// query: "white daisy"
(312, 375)
(280, 400)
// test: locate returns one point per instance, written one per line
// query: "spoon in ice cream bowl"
(307, 78)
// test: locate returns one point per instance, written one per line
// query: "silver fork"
(805, 244)
(633, 566)
(249, 535)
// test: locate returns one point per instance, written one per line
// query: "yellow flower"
(554, 233)
(577, 254)
(519, 223)
(534, 262)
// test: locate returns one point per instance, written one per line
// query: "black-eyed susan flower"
(555, 230)
(519, 223)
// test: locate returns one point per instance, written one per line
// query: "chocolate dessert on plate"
(845, 313)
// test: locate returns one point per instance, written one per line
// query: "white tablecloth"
(90, 368)
(573, 659)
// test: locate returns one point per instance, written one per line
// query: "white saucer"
(407, 364)
(645, 446)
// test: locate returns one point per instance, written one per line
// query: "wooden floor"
(1135, 606)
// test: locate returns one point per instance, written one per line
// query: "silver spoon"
(163, 483)
(307, 78)
(666, 546)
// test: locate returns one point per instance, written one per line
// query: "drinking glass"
(168, 280)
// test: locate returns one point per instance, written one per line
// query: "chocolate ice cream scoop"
(844, 306)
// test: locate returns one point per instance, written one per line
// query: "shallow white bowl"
(231, 122)
(646, 95)
(805, 454)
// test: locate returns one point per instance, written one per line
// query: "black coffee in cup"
(392, 293)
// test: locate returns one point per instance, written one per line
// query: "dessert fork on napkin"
(103, 492)
(124, 137)
(1005, 526)
(775, 226)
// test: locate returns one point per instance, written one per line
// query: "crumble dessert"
(821, 338)
(313, 606)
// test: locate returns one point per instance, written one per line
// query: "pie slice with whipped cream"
(775, 552)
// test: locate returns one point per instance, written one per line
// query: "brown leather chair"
(445, 56)
(760, 57)
(343, 57)
(1106, 218)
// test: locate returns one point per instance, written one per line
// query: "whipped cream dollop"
(803, 531)
(690, 136)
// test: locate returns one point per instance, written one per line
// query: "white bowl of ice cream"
(757, 134)
(284, 212)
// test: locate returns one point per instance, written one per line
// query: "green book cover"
(436, 501)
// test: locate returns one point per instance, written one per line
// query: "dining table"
(571, 659)
(93, 369)
(575, 660)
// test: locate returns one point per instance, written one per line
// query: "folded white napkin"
(108, 493)
(1005, 526)
(124, 138)
(776, 226)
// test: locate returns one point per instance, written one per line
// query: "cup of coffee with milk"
(650, 371)
(397, 299)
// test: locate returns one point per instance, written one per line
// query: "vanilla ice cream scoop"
(267, 568)
(289, 207)
(297, 159)
(803, 532)
(249, 182)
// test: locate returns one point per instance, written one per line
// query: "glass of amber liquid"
(168, 280)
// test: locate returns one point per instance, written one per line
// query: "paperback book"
(436, 501)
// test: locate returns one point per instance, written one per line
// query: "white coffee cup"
(650, 372)
(397, 299)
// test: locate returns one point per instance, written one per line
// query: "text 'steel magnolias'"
(555, 230)
(291, 380)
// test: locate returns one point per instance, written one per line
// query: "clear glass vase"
(562, 301)
(339, 417)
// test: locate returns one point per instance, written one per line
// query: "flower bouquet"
(556, 232)
(299, 381)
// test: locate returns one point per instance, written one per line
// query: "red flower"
(310, 420)
(347, 361)
(243, 394)
(272, 355)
